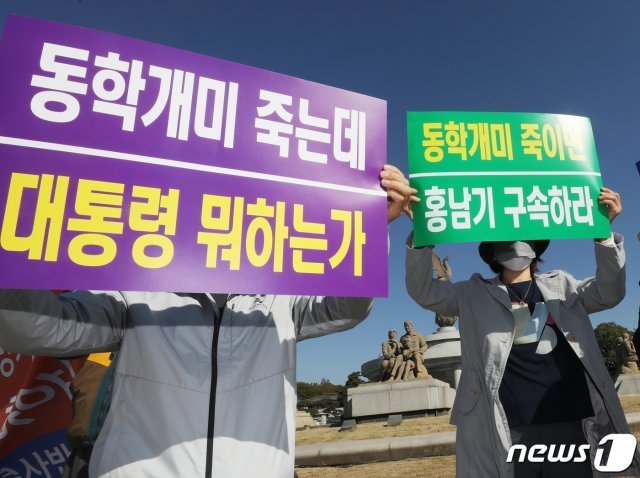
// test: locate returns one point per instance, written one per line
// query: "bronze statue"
(414, 345)
(391, 359)
(407, 367)
(627, 356)
(442, 271)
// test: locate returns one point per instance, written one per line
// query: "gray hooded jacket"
(487, 333)
(195, 394)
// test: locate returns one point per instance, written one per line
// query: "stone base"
(443, 357)
(628, 384)
(381, 399)
(304, 420)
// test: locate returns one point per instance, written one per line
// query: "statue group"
(403, 359)
(626, 355)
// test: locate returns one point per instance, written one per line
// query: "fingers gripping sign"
(400, 196)
(612, 200)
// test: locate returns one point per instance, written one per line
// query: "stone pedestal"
(628, 384)
(413, 396)
(443, 357)
(304, 420)
(371, 370)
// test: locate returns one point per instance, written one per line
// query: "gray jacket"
(487, 333)
(158, 422)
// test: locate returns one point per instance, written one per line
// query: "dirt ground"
(434, 467)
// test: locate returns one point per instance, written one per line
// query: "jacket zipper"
(217, 321)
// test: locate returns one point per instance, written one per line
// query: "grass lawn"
(364, 431)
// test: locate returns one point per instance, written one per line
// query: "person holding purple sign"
(205, 384)
(532, 373)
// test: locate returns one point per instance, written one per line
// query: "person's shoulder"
(554, 274)
(477, 278)
(558, 279)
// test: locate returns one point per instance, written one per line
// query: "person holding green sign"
(532, 370)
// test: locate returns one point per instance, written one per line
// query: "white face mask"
(516, 263)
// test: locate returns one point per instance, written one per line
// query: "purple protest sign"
(133, 166)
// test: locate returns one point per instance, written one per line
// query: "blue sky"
(571, 57)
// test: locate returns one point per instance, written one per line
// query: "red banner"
(35, 410)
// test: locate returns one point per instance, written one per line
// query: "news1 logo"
(621, 448)
(614, 453)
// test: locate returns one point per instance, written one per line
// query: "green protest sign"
(504, 176)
